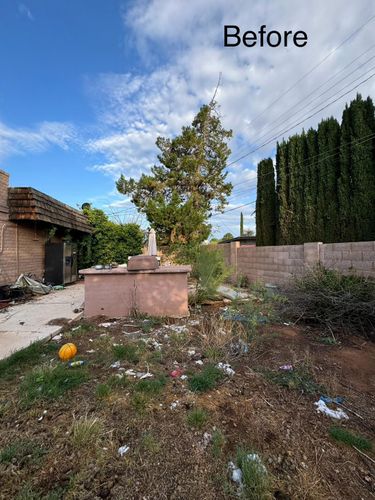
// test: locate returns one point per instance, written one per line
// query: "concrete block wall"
(357, 257)
(277, 264)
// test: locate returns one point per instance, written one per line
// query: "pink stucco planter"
(119, 292)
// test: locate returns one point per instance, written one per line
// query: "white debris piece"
(156, 345)
(140, 375)
(226, 368)
(207, 438)
(199, 362)
(116, 364)
(194, 322)
(42, 416)
(191, 352)
(90, 351)
(57, 337)
(174, 405)
(107, 325)
(123, 450)
(178, 328)
(183, 377)
(338, 414)
(75, 328)
(236, 473)
(231, 294)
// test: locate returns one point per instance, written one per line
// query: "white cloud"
(35, 140)
(25, 11)
(181, 44)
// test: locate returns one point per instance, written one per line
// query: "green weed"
(197, 417)
(256, 480)
(103, 391)
(297, 379)
(344, 436)
(151, 387)
(205, 380)
(218, 443)
(25, 358)
(128, 352)
(150, 443)
(50, 382)
(86, 433)
(22, 452)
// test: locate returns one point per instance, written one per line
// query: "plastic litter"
(183, 377)
(226, 368)
(123, 450)
(338, 400)
(178, 328)
(286, 368)
(176, 373)
(140, 375)
(191, 352)
(34, 286)
(116, 364)
(199, 362)
(174, 405)
(236, 473)
(42, 416)
(107, 325)
(74, 364)
(338, 414)
(231, 294)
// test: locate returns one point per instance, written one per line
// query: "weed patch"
(129, 352)
(86, 432)
(205, 380)
(24, 358)
(344, 436)
(49, 383)
(298, 379)
(103, 391)
(256, 481)
(151, 386)
(197, 418)
(218, 443)
(22, 452)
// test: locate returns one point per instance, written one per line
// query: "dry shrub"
(338, 302)
(218, 335)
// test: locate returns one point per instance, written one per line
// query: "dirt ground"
(169, 456)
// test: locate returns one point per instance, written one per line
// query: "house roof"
(240, 238)
(29, 204)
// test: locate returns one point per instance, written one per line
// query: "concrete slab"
(22, 324)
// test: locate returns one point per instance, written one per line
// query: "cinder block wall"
(277, 264)
(22, 246)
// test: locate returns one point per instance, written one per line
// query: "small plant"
(205, 380)
(50, 382)
(255, 478)
(139, 402)
(151, 386)
(86, 433)
(22, 452)
(27, 357)
(103, 391)
(210, 270)
(150, 443)
(344, 436)
(218, 443)
(297, 379)
(116, 382)
(197, 417)
(328, 341)
(128, 352)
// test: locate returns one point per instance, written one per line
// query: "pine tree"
(241, 224)
(266, 204)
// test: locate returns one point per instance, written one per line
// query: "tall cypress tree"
(283, 212)
(328, 227)
(294, 179)
(241, 224)
(311, 185)
(266, 204)
(345, 179)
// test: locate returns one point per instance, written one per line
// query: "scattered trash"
(107, 325)
(191, 352)
(74, 364)
(57, 337)
(76, 328)
(32, 285)
(58, 287)
(338, 400)
(174, 405)
(176, 373)
(42, 416)
(239, 347)
(183, 377)
(194, 322)
(123, 450)
(339, 414)
(286, 368)
(67, 351)
(156, 345)
(140, 375)
(116, 364)
(236, 473)
(90, 351)
(286, 324)
(178, 328)
(199, 362)
(226, 368)
(207, 438)
(231, 294)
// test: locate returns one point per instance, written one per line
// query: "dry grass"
(87, 433)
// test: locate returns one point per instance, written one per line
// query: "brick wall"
(277, 264)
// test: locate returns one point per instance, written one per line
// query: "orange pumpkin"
(67, 351)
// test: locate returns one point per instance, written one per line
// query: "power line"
(355, 32)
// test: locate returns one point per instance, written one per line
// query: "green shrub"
(256, 480)
(151, 386)
(129, 352)
(103, 391)
(344, 303)
(206, 379)
(197, 418)
(210, 270)
(344, 436)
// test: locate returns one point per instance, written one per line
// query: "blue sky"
(86, 86)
